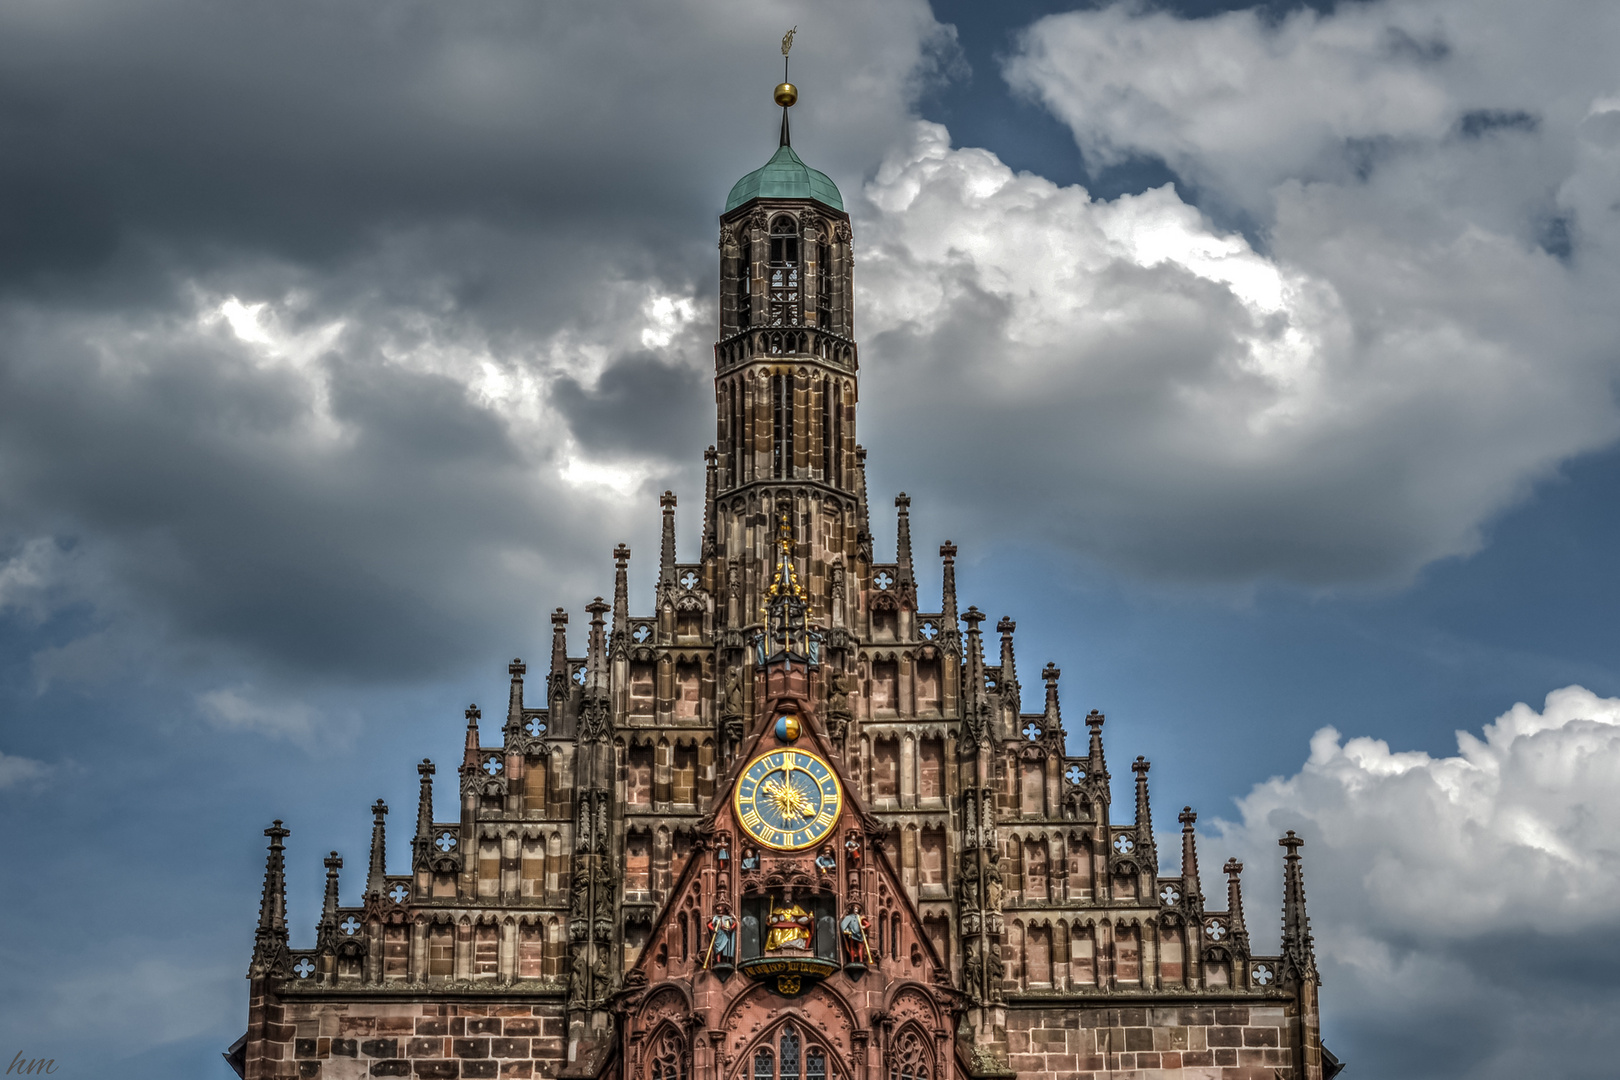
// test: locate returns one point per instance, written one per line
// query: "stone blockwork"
(973, 899)
(1150, 1042)
(349, 1041)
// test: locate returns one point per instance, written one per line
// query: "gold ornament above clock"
(788, 800)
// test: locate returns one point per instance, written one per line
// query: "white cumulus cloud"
(1473, 892)
(1379, 314)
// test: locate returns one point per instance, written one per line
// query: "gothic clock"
(788, 800)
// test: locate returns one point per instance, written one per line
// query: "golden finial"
(786, 93)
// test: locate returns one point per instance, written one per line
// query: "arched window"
(910, 1058)
(826, 430)
(784, 273)
(824, 284)
(790, 1055)
(782, 425)
(793, 1059)
(838, 435)
(745, 281)
(669, 1063)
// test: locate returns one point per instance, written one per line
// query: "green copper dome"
(785, 177)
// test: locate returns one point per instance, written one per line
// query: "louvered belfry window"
(785, 289)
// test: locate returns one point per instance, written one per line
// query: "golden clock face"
(788, 800)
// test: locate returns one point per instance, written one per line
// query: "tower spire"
(1298, 948)
(863, 524)
(1144, 812)
(270, 939)
(1011, 695)
(1189, 853)
(424, 806)
(1234, 899)
(621, 599)
(711, 486)
(666, 549)
(514, 697)
(1054, 714)
(379, 848)
(557, 677)
(327, 931)
(907, 584)
(976, 710)
(950, 634)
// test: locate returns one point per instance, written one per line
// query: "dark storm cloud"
(203, 481)
(640, 406)
(300, 129)
(321, 321)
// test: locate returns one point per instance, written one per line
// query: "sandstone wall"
(347, 1041)
(1185, 1042)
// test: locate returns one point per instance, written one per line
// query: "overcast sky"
(1260, 361)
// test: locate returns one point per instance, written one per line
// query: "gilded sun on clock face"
(788, 799)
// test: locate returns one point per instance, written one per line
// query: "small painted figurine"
(722, 855)
(825, 861)
(852, 847)
(750, 859)
(854, 926)
(723, 943)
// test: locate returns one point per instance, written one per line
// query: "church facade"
(794, 822)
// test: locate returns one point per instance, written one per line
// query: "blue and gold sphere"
(787, 727)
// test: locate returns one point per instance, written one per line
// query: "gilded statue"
(790, 928)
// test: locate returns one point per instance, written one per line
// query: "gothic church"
(788, 825)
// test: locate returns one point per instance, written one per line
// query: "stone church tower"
(788, 825)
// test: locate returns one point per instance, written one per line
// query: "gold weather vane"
(786, 93)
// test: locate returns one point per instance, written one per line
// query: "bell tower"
(786, 385)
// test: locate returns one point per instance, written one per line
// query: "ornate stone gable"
(788, 824)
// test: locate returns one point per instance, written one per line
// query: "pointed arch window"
(827, 392)
(790, 1055)
(669, 1060)
(782, 425)
(783, 278)
(794, 1055)
(824, 285)
(910, 1058)
(745, 280)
